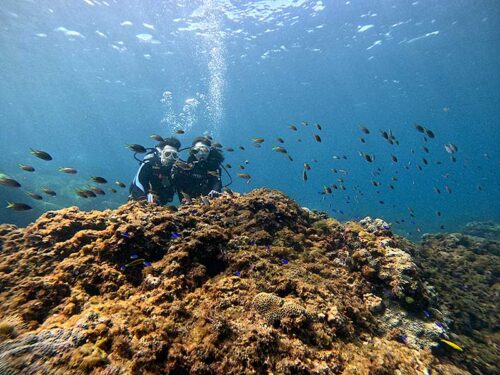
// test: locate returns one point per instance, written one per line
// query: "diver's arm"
(139, 189)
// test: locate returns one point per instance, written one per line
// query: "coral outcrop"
(247, 284)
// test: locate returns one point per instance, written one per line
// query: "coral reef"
(247, 284)
(464, 271)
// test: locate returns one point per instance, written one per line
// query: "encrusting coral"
(248, 284)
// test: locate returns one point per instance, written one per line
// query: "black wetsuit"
(153, 179)
(197, 181)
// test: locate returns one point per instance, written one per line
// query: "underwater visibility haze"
(82, 79)
(358, 232)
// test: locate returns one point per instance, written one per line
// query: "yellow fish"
(452, 344)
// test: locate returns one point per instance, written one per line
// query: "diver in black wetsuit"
(201, 175)
(153, 181)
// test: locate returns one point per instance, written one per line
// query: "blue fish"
(147, 264)
(122, 267)
(134, 256)
(439, 325)
(237, 273)
(126, 235)
(175, 235)
(404, 339)
(427, 314)
(268, 247)
(386, 227)
(341, 212)
(284, 261)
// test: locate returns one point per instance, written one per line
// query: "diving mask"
(200, 151)
(168, 155)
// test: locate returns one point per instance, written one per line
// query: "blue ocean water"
(81, 79)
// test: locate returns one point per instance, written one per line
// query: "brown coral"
(321, 287)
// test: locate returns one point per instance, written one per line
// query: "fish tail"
(10, 204)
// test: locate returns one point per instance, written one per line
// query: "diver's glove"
(213, 194)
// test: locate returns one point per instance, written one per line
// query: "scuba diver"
(153, 181)
(201, 175)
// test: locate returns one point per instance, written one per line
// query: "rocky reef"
(246, 284)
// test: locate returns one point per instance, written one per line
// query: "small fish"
(425, 161)
(438, 213)
(384, 134)
(97, 190)
(404, 339)
(293, 127)
(241, 148)
(280, 140)
(99, 180)
(280, 149)
(89, 193)
(289, 157)
(452, 345)
(426, 150)
(364, 129)
(134, 256)
(35, 196)
(6, 181)
(216, 145)
(257, 140)
(81, 193)
(448, 189)
(362, 140)
(246, 162)
(112, 190)
(205, 201)
(213, 173)
(68, 170)
(237, 273)
(420, 128)
(327, 189)
(179, 131)
(450, 148)
(318, 126)
(394, 158)
(50, 192)
(429, 133)
(135, 262)
(369, 158)
(120, 184)
(307, 167)
(41, 154)
(146, 264)
(427, 314)
(304, 175)
(317, 138)
(136, 148)
(228, 166)
(27, 168)
(157, 137)
(241, 167)
(175, 235)
(305, 123)
(229, 149)
(18, 206)
(284, 261)
(244, 176)
(229, 191)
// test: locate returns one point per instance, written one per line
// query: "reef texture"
(246, 284)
